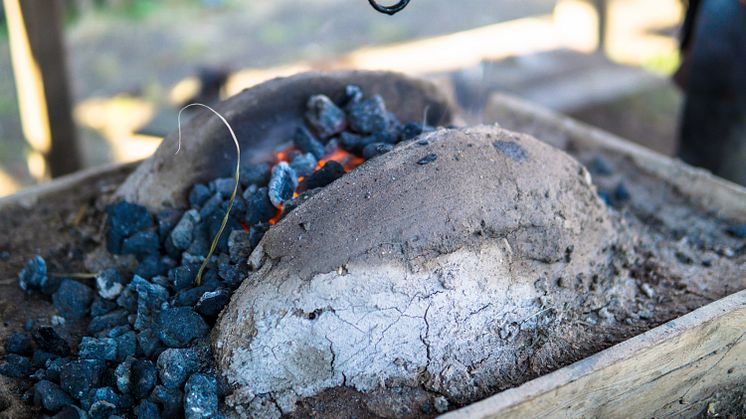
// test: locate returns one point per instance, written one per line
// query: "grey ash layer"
(145, 352)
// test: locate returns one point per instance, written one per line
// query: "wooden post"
(37, 52)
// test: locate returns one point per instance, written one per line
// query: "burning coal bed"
(145, 352)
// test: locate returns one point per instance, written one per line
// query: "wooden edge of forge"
(701, 186)
(669, 371)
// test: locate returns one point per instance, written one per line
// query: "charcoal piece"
(175, 366)
(352, 93)
(282, 184)
(50, 396)
(212, 303)
(141, 244)
(147, 410)
(183, 233)
(254, 174)
(71, 412)
(427, 159)
(738, 231)
(123, 375)
(201, 396)
(599, 166)
(215, 221)
(223, 186)
(81, 375)
(167, 220)
(324, 116)
(149, 343)
(190, 296)
(354, 143)
(106, 394)
(211, 205)
(331, 146)
(293, 203)
(375, 149)
(241, 243)
(73, 299)
(48, 340)
(183, 277)
(99, 307)
(42, 358)
(410, 130)
(171, 401)
(116, 331)
(15, 366)
(150, 298)
(179, 326)
(125, 219)
(324, 176)
(512, 150)
(201, 242)
(423, 142)
(368, 116)
(126, 345)
(621, 194)
(33, 276)
(38, 375)
(260, 208)
(153, 266)
(304, 164)
(54, 366)
(107, 321)
(102, 409)
(143, 378)
(307, 143)
(19, 343)
(109, 283)
(28, 325)
(606, 197)
(199, 195)
(104, 349)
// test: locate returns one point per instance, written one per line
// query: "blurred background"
(130, 64)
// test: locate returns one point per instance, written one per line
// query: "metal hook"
(389, 10)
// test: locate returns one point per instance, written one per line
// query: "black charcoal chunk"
(147, 410)
(738, 231)
(354, 143)
(211, 205)
(183, 277)
(15, 366)
(48, 340)
(42, 358)
(307, 143)
(167, 220)
(375, 149)
(153, 266)
(324, 176)
(107, 321)
(512, 150)
(175, 366)
(223, 186)
(99, 307)
(254, 174)
(19, 343)
(171, 400)
(621, 194)
(260, 208)
(600, 166)
(150, 298)
(126, 345)
(71, 412)
(50, 396)
(410, 131)
(199, 195)
(180, 326)
(295, 202)
(324, 116)
(104, 349)
(282, 184)
(143, 378)
(212, 303)
(109, 283)
(352, 93)
(54, 366)
(368, 116)
(304, 164)
(183, 234)
(141, 244)
(125, 219)
(33, 276)
(73, 299)
(78, 377)
(201, 397)
(427, 159)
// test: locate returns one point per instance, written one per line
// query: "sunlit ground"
(639, 33)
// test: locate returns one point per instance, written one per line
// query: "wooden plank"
(668, 371)
(37, 52)
(702, 187)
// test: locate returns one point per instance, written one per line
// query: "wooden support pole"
(37, 52)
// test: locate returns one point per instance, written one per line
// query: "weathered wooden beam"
(37, 52)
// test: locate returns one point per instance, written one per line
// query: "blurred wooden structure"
(38, 56)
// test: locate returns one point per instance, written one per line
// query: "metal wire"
(389, 10)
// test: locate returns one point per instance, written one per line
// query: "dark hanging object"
(389, 10)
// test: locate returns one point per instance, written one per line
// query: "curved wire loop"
(389, 10)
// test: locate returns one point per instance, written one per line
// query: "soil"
(679, 251)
